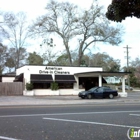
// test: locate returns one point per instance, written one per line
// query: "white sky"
(34, 8)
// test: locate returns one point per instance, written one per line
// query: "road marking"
(6, 138)
(87, 122)
(28, 115)
(134, 114)
(59, 114)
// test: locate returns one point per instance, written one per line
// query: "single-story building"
(8, 77)
(70, 80)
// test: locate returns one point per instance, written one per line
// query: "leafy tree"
(62, 60)
(118, 10)
(99, 59)
(70, 23)
(15, 30)
(137, 74)
(3, 56)
(132, 77)
(107, 62)
(34, 59)
(135, 69)
(136, 63)
(10, 63)
(84, 62)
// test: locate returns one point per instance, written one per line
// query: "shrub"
(54, 86)
(29, 86)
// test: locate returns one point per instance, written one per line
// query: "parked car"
(126, 87)
(97, 92)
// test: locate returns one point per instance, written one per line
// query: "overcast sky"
(34, 8)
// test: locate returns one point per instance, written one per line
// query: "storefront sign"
(53, 70)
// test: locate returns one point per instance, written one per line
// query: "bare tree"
(15, 30)
(50, 53)
(70, 22)
(3, 56)
(18, 56)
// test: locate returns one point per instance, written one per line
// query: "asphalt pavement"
(70, 122)
(133, 97)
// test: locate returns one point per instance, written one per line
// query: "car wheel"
(89, 96)
(111, 96)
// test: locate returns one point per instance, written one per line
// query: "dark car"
(98, 92)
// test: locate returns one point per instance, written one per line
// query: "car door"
(99, 92)
(106, 92)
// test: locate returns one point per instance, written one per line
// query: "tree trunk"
(80, 53)
(68, 52)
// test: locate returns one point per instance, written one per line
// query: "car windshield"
(92, 89)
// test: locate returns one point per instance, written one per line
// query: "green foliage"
(10, 62)
(63, 60)
(34, 59)
(29, 86)
(107, 62)
(118, 10)
(54, 86)
(100, 59)
(16, 57)
(134, 79)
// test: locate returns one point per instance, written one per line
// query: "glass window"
(100, 90)
(65, 85)
(41, 85)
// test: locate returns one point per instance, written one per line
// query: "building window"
(41, 85)
(65, 85)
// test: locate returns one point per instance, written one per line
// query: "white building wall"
(8, 79)
(53, 70)
(28, 70)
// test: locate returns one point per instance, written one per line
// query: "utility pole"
(127, 58)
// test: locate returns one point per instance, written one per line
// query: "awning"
(103, 73)
(64, 79)
(41, 78)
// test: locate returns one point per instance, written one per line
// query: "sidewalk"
(57, 100)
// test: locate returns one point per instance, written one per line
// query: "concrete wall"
(8, 79)
(43, 92)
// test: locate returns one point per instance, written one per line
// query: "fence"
(7, 89)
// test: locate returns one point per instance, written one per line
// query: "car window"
(92, 89)
(107, 89)
(100, 90)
